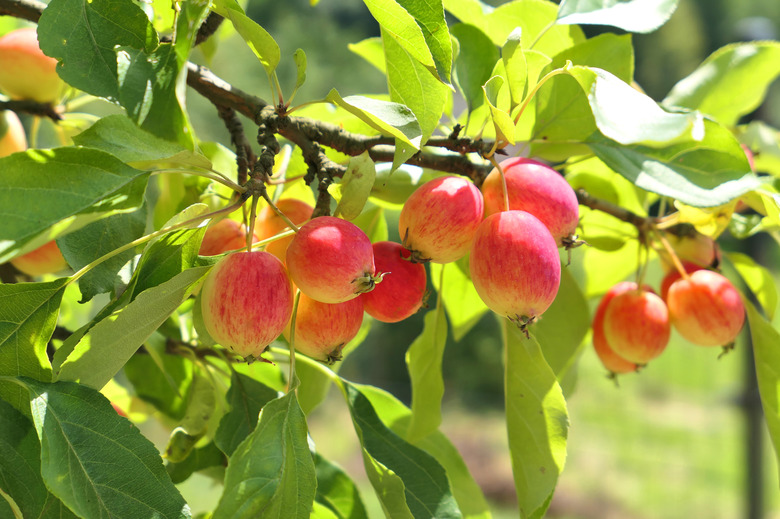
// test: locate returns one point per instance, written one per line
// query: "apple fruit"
(246, 301)
(438, 221)
(401, 292)
(636, 325)
(331, 260)
(614, 363)
(673, 275)
(515, 266)
(223, 236)
(46, 259)
(270, 224)
(692, 247)
(25, 71)
(12, 136)
(537, 189)
(706, 308)
(322, 329)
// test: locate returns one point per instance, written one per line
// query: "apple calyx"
(367, 282)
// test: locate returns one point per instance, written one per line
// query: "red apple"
(438, 221)
(515, 266)
(46, 259)
(12, 136)
(611, 360)
(246, 301)
(401, 292)
(322, 329)
(538, 189)
(25, 71)
(223, 236)
(331, 260)
(636, 325)
(706, 308)
(269, 224)
(674, 275)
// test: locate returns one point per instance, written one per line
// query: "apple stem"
(536, 88)
(503, 181)
(292, 379)
(252, 217)
(264, 193)
(673, 255)
(216, 176)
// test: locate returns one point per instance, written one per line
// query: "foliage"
(127, 196)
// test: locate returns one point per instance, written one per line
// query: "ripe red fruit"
(401, 293)
(515, 266)
(46, 259)
(706, 308)
(611, 360)
(331, 260)
(322, 329)
(636, 325)
(269, 224)
(246, 301)
(438, 221)
(25, 71)
(674, 275)
(223, 236)
(538, 189)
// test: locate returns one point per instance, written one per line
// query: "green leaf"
(200, 458)
(262, 44)
(420, 28)
(122, 138)
(300, 65)
(28, 315)
(355, 187)
(371, 50)
(246, 398)
(409, 84)
(69, 187)
(107, 346)
(387, 117)
(336, 491)
(463, 304)
(705, 173)
(516, 66)
(201, 405)
(497, 98)
(563, 325)
(765, 339)
(82, 36)
(630, 15)
(758, 279)
(96, 461)
(474, 63)
(407, 480)
(20, 467)
(89, 243)
(537, 420)
(748, 68)
(397, 417)
(313, 387)
(271, 473)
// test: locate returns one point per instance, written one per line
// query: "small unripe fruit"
(694, 248)
(611, 360)
(331, 260)
(46, 259)
(636, 325)
(438, 221)
(515, 266)
(12, 136)
(322, 329)
(401, 292)
(270, 224)
(246, 301)
(706, 308)
(538, 189)
(25, 71)
(223, 236)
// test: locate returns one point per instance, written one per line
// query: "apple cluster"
(632, 325)
(247, 299)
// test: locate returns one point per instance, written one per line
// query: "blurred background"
(682, 439)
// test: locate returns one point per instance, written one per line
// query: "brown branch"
(640, 222)
(31, 107)
(25, 9)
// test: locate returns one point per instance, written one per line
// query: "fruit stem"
(216, 176)
(290, 224)
(536, 88)
(669, 250)
(503, 181)
(143, 239)
(292, 379)
(252, 217)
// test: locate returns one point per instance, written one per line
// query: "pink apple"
(331, 260)
(611, 360)
(636, 325)
(246, 301)
(25, 71)
(538, 189)
(46, 259)
(674, 274)
(270, 224)
(223, 236)
(438, 221)
(12, 136)
(322, 329)
(515, 266)
(706, 308)
(401, 292)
